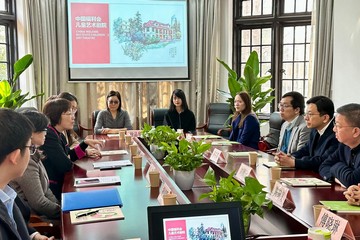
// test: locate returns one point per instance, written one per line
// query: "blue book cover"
(90, 199)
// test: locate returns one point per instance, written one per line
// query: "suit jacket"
(300, 135)
(7, 230)
(249, 133)
(313, 154)
(343, 164)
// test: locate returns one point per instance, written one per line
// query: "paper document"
(305, 182)
(241, 154)
(223, 143)
(274, 164)
(112, 164)
(113, 152)
(341, 206)
(113, 135)
(205, 136)
(97, 181)
(96, 215)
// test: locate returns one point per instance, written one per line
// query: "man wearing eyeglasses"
(293, 134)
(343, 165)
(15, 136)
(322, 142)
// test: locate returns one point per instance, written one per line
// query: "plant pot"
(184, 179)
(156, 152)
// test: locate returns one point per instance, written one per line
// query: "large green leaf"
(21, 65)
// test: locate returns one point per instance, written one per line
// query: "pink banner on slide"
(175, 229)
(90, 33)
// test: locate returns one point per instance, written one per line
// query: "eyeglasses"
(337, 126)
(74, 109)
(69, 113)
(32, 149)
(113, 102)
(281, 105)
(311, 114)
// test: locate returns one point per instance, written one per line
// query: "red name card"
(217, 156)
(338, 226)
(244, 171)
(281, 196)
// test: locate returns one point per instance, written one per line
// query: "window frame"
(8, 19)
(276, 21)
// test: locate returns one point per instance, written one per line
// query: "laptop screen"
(217, 221)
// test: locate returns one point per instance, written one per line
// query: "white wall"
(346, 71)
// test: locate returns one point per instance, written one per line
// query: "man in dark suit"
(322, 142)
(343, 166)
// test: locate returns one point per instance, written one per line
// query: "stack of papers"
(241, 154)
(274, 164)
(108, 165)
(90, 199)
(96, 215)
(305, 182)
(97, 181)
(113, 152)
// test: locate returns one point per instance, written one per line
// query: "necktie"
(285, 142)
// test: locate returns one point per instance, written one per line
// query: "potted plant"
(154, 136)
(251, 195)
(251, 83)
(9, 96)
(184, 158)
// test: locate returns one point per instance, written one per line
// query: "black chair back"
(94, 115)
(218, 114)
(157, 116)
(275, 123)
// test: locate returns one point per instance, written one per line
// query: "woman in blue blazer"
(245, 124)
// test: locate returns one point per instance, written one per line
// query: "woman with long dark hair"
(179, 116)
(245, 124)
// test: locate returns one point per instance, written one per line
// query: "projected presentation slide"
(128, 39)
(215, 227)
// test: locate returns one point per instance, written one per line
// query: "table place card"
(279, 194)
(164, 189)
(217, 156)
(337, 225)
(244, 171)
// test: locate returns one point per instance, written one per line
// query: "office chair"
(271, 140)
(157, 116)
(94, 115)
(217, 115)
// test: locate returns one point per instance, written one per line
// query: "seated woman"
(59, 156)
(114, 118)
(245, 124)
(33, 186)
(70, 135)
(179, 115)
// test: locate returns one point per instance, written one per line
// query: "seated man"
(343, 165)
(293, 134)
(15, 134)
(322, 143)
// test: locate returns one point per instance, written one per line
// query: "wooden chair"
(217, 116)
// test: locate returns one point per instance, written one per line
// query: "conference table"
(137, 195)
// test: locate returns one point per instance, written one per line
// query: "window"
(280, 31)
(7, 38)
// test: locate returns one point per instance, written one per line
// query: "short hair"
(15, 132)
(180, 94)
(68, 96)
(113, 93)
(351, 112)
(39, 120)
(53, 109)
(297, 100)
(323, 104)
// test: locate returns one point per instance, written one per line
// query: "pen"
(87, 214)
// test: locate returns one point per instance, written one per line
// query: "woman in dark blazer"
(245, 124)
(179, 115)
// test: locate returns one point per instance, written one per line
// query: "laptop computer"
(218, 221)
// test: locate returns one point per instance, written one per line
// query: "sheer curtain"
(47, 35)
(322, 47)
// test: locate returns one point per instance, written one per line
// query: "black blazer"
(312, 155)
(7, 230)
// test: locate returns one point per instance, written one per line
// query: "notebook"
(274, 164)
(305, 182)
(341, 206)
(111, 164)
(96, 215)
(97, 181)
(90, 199)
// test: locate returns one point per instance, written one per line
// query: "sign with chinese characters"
(281, 196)
(337, 225)
(217, 156)
(244, 171)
